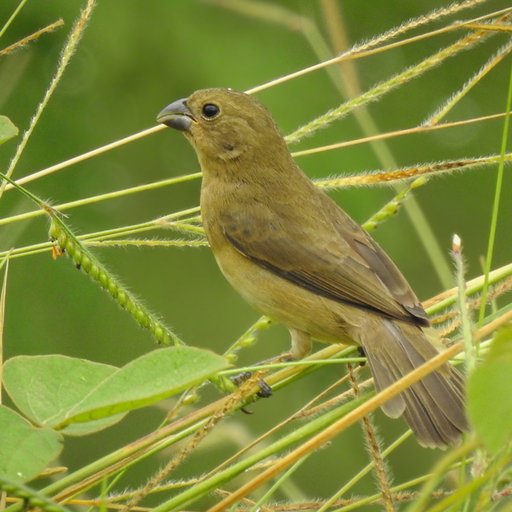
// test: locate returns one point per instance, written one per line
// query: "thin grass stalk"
(388, 135)
(277, 485)
(3, 298)
(365, 49)
(384, 177)
(102, 197)
(13, 16)
(298, 415)
(99, 236)
(463, 492)
(377, 92)
(67, 53)
(340, 425)
(85, 156)
(227, 407)
(467, 334)
(391, 208)
(30, 497)
(329, 503)
(179, 179)
(439, 471)
(373, 445)
(398, 495)
(449, 297)
(486, 68)
(354, 416)
(31, 37)
(207, 486)
(496, 204)
(503, 286)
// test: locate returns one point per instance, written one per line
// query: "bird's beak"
(177, 115)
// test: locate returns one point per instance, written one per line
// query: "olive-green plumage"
(296, 256)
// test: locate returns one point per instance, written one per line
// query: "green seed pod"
(94, 272)
(418, 182)
(71, 249)
(370, 225)
(142, 318)
(77, 258)
(121, 298)
(158, 332)
(247, 341)
(63, 239)
(103, 279)
(190, 399)
(112, 288)
(36, 502)
(54, 231)
(128, 304)
(86, 263)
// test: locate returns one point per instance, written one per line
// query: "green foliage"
(489, 396)
(25, 450)
(60, 392)
(46, 388)
(7, 129)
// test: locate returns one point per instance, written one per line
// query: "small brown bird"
(297, 257)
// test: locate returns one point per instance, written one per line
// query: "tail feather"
(420, 422)
(432, 407)
(394, 407)
(423, 414)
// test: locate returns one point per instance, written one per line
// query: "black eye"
(210, 110)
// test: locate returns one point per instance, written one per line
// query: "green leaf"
(7, 129)
(60, 392)
(501, 346)
(45, 388)
(147, 380)
(24, 449)
(489, 396)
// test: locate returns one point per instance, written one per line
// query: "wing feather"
(335, 259)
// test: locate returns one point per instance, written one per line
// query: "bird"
(295, 256)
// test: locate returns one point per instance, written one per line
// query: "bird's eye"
(210, 110)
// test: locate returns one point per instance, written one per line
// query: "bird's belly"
(286, 302)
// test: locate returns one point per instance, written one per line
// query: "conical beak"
(177, 115)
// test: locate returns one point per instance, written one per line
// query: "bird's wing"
(336, 260)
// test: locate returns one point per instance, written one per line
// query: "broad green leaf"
(24, 449)
(76, 395)
(501, 346)
(147, 380)
(7, 129)
(490, 396)
(45, 388)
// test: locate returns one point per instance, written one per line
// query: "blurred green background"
(134, 59)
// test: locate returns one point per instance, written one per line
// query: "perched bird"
(297, 257)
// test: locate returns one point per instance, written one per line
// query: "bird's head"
(223, 124)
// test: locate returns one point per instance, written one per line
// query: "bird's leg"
(240, 378)
(266, 390)
(301, 347)
(301, 344)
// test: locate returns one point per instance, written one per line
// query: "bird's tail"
(434, 406)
